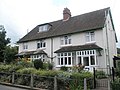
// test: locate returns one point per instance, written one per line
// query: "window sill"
(66, 45)
(41, 48)
(91, 42)
(58, 66)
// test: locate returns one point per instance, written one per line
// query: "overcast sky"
(20, 16)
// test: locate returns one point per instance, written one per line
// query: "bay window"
(64, 59)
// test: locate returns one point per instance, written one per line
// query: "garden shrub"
(64, 68)
(25, 64)
(50, 73)
(100, 74)
(47, 66)
(5, 68)
(116, 84)
(38, 64)
(27, 71)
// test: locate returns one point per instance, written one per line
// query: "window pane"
(69, 41)
(69, 54)
(58, 61)
(61, 61)
(65, 54)
(65, 41)
(41, 45)
(65, 60)
(44, 44)
(86, 61)
(92, 59)
(79, 60)
(92, 36)
(69, 60)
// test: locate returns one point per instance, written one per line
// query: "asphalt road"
(3, 87)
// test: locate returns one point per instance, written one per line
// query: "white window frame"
(40, 56)
(25, 46)
(66, 40)
(86, 53)
(90, 37)
(43, 28)
(65, 56)
(42, 44)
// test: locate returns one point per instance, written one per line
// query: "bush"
(27, 71)
(5, 68)
(25, 64)
(50, 73)
(100, 74)
(47, 66)
(116, 84)
(38, 64)
(64, 68)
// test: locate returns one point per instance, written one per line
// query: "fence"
(49, 83)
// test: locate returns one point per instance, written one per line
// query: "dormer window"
(44, 28)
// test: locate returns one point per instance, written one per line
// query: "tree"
(3, 43)
(9, 53)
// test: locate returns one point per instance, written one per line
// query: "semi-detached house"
(88, 39)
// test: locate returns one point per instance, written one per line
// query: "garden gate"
(102, 77)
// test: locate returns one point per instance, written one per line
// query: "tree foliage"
(9, 53)
(3, 43)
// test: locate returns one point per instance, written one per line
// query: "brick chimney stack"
(66, 14)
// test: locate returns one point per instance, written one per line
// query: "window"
(87, 57)
(86, 61)
(41, 44)
(42, 57)
(92, 59)
(44, 28)
(25, 46)
(65, 59)
(90, 36)
(66, 40)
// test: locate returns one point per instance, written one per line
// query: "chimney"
(66, 14)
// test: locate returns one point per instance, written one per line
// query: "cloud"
(20, 15)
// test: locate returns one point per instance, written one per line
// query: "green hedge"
(116, 84)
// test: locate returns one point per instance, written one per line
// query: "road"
(3, 87)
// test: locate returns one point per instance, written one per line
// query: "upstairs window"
(25, 46)
(44, 28)
(90, 36)
(65, 40)
(41, 44)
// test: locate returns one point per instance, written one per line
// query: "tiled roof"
(78, 48)
(89, 21)
(31, 53)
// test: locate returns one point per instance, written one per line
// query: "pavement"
(4, 87)
(9, 86)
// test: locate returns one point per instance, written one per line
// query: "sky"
(21, 16)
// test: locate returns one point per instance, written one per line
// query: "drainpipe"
(51, 50)
(108, 57)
